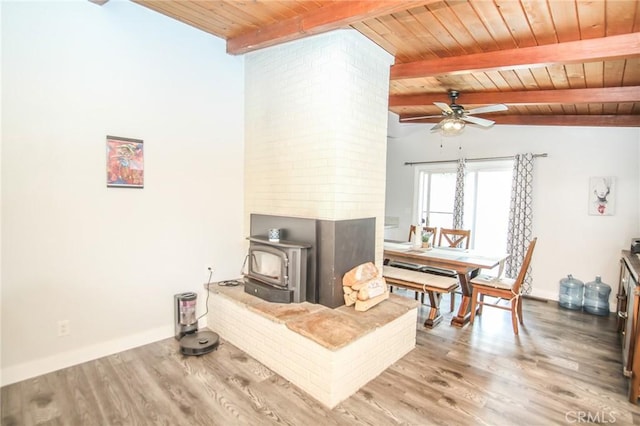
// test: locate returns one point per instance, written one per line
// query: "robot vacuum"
(192, 341)
(199, 343)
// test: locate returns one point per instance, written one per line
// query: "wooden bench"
(430, 284)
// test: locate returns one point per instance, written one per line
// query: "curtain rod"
(511, 157)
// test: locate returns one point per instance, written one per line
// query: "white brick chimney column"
(315, 133)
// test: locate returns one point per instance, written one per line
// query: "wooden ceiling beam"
(338, 15)
(528, 97)
(571, 120)
(557, 120)
(597, 49)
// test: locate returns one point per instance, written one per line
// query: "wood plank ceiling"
(553, 62)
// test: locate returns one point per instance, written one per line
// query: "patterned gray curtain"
(520, 218)
(458, 202)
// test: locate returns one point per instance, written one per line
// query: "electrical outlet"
(63, 328)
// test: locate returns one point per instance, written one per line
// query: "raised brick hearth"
(329, 353)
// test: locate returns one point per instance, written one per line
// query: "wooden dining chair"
(459, 238)
(504, 289)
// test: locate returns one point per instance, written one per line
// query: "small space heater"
(192, 341)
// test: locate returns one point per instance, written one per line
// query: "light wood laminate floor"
(563, 368)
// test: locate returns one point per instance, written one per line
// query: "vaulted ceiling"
(552, 62)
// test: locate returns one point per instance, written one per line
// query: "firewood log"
(350, 299)
(365, 305)
(372, 288)
(371, 282)
(364, 271)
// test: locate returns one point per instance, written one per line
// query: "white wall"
(569, 240)
(109, 260)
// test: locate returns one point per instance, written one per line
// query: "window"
(486, 202)
(436, 197)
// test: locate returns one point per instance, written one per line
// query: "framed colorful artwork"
(125, 162)
(602, 200)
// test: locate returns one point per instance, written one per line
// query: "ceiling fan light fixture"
(452, 126)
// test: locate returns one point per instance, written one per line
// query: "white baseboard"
(547, 295)
(27, 370)
(553, 296)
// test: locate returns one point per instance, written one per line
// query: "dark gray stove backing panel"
(342, 245)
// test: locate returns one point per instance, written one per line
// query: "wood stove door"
(268, 265)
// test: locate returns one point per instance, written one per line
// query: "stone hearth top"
(330, 328)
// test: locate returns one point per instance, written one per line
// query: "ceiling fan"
(455, 115)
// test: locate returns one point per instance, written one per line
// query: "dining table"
(465, 263)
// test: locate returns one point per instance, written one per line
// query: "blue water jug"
(571, 291)
(596, 297)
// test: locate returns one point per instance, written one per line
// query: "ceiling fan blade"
(420, 118)
(443, 106)
(488, 108)
(479, 121)
(437, 126)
